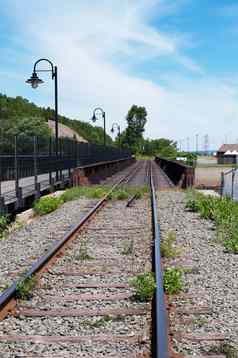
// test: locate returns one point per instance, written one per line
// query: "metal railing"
(28, 162)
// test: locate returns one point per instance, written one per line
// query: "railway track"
(83, 305)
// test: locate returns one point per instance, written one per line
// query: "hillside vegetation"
(18, 115)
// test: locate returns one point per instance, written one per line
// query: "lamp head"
(94, 118)
(34, 80)
(112, 130)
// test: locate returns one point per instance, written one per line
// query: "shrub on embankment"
(4, 222)
(222, 211)
(47, 204)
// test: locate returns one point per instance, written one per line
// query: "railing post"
(2, 206)
(16, 168)
(19, 195)
(1, 173)
(37, 193)
(50, 161)
(60, 140)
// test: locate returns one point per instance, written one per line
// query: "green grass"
(222, 211)
(144, 285)
(98, 192)
(89, 192)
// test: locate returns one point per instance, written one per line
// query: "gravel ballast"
(97, 256)
(211, 281)
(24, 246)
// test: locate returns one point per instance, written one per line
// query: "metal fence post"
(16, 174)
(50, 161)
(232, 183)
(37, 186)
(222, 184)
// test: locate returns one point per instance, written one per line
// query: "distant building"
(227, 154)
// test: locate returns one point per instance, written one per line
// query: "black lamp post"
(94, 119)
(35, 81)
(118, 132)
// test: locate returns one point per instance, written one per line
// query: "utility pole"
(206, 144)
(197, 143)
(188, 144)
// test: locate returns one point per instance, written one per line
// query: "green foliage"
(224, 213)
(47, 204)
(145, 286)
(173, 280)
(132, 138)
(24, 288)
(191, 158)
(161, 147)
(19, 116)
(4, 222)
(90, 192)
(166, 248)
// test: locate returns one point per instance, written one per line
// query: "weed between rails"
(46, 205)
(224, 213)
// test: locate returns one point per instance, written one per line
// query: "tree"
(133, 137)
(162, 147)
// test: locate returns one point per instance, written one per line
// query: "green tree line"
(19, 116)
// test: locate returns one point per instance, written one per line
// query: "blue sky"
(178, 58)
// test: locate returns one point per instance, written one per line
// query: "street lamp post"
(118, 132)
(34, 81)
(94, 119)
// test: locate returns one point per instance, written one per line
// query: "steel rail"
(161, 324)
(10, 293)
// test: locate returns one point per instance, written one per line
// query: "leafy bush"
(47, 204)
(145, 286)
(173, 281)
(4, 221)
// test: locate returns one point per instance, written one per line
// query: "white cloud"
(96, 43)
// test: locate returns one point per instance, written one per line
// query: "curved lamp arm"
(51, 64)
